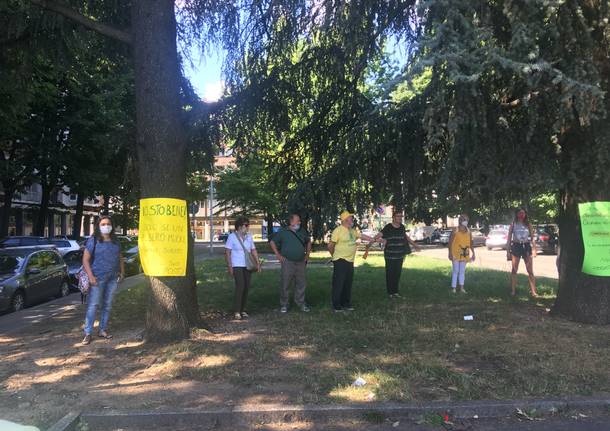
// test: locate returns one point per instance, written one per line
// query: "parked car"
(497, 238)
(30, 275)
(132, 261)
(478, 239)
(25, 241)
(65, 245)
(223, 236)
(126, 242)
(423, 234)
(445, 235)
(74, 260)
(547, 238)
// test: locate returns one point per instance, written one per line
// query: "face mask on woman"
(296, 227)
(106, 229)
(465, 223)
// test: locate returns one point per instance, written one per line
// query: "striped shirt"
(396, 246)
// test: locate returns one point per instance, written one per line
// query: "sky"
(205, 72)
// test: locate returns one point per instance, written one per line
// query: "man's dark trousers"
(343, 275)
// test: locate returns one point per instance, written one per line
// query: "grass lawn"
(414, 348)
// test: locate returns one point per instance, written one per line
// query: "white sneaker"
(284, 310)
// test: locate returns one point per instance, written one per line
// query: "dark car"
(547, 239)
(131, 258)
(445, 235)
(224, 236)
(74, 260)
(25, 241)
(30, 275)
(478, 239)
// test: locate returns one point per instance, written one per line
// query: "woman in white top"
(238, 245)
(521, 244)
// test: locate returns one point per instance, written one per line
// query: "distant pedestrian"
(104, 266)
(460, 247)
(242, 259)
(342, 248)
(521, 245)
(292, 246)
(397, 245)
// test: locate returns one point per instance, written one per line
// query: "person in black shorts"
(521, 245)
(397, 246)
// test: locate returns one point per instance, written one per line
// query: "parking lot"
(544, 265)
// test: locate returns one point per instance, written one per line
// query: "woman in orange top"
(460, 246)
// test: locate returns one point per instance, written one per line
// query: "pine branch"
(104, 29)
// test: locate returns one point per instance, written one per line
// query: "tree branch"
(106, 30)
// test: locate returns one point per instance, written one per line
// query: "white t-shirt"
(238, 257)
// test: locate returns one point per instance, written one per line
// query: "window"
(11, 242)
(34, 262)
(48, 258)
(62, 244)
(72, 196)
(29, 241)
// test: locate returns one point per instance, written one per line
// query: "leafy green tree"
(517, 107)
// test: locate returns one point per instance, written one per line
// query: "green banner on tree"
(595, 226)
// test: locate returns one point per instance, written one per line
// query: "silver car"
(30, 275)
(497, 238)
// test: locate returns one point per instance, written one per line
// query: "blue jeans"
(102, 292)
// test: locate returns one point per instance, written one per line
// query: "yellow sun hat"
(345, 214)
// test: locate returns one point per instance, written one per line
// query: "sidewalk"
(575, 414)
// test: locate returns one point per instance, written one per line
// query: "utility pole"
(211, 206)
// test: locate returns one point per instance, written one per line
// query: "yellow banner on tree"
(595, 227)
(163, 237)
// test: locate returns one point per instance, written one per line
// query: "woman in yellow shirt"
(460, 246)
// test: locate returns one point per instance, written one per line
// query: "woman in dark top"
(103, 263)
(397, 246)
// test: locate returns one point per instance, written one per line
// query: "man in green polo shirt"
(292, 247)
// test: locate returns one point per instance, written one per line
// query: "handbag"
(251, 264)
(83, 279)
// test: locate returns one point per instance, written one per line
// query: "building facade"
(62, 209)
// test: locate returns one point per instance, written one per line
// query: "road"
(544, 265)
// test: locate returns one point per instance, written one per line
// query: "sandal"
(104, 334)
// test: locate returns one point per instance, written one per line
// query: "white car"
(65, 245)
(423, 233)
(497, 238)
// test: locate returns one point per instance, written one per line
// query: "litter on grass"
(359, 382)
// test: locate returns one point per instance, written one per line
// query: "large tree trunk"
(581, 297)
(9, 193)
(43, 211)
(172, 307)
(77, 222)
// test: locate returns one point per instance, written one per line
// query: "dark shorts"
(523, 250)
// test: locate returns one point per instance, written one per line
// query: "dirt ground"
(46, 372)
(408, 350)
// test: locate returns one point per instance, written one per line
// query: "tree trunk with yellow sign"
(172, 307)
(582, 297)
